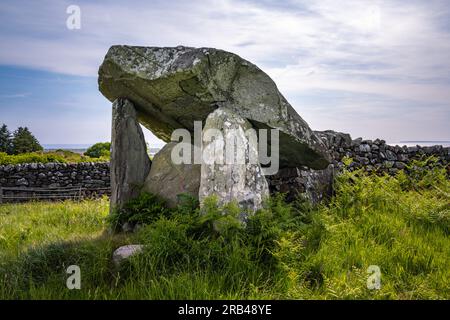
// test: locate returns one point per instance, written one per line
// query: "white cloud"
(395, 49)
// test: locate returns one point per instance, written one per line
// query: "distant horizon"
(77, 146)
(424, 141)
(90, 144)
(80, 146)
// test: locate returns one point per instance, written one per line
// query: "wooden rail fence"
(21, 194)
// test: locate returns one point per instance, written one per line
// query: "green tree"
(98, 150)
(23, 141)
(5, 139)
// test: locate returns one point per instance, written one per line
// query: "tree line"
(19, 141)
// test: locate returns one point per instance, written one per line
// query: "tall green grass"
(286, 251)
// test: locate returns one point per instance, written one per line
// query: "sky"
(371, 68)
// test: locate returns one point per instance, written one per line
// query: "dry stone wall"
(373, 155)
(376, 155)
(93, 177)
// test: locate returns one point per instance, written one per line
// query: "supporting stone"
(168, 179)
(234, 175)
(130, 163)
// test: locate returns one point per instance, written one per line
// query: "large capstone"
(173, 87)
(130, 163)
(303, 183)
(170, 178)
(230, 169)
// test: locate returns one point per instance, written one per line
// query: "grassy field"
(295, 251)
(59, 156)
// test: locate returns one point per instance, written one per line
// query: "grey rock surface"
(168, 179)
(334, 139)
(318, 183)
(239, 179)
(125, 252)
(305, 183)
(130, 163)
(172, 87)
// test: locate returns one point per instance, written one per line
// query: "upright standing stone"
(130, 163)
(168, 179)
(230, 169)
